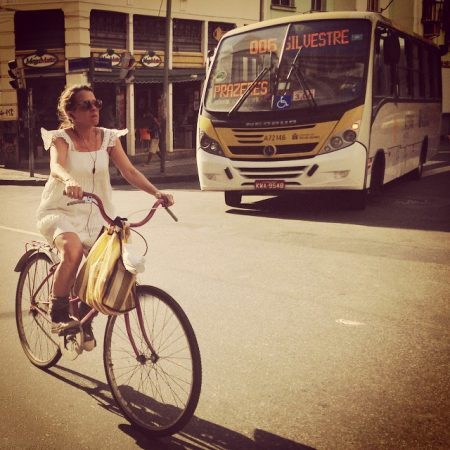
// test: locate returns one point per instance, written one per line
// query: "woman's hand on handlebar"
(165, 197)
(73, 189)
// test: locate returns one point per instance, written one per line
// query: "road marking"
(18, 230)
(351, 323)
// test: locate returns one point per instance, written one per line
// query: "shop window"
(108, 29)
(283, 3)
(187, 35)
(39, 29)
(149, 32)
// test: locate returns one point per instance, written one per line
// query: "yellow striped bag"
(103, 282)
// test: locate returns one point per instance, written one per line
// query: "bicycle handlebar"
(89, 197)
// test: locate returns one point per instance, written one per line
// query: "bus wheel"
(233, 198)
(416, 174)
(376, 180)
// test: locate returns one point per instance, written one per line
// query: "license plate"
(269, 184)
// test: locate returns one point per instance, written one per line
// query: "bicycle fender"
(32, 250)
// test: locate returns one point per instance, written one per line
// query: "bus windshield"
(295, 66)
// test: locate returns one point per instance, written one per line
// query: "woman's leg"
(71, 253)
(149, 150)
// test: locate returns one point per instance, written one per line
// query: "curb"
(115, 181)
(158, 179)
(23, 182)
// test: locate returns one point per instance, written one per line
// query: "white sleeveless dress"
(53, 215)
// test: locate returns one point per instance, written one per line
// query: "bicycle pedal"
(69, 332)
(71, 346)
(65, 329)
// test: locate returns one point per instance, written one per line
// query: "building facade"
(67, 42)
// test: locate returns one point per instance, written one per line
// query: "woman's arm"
(58, 162)
(133, 175)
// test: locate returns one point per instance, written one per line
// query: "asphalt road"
(318, 327)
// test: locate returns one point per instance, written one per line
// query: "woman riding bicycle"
(80, 152)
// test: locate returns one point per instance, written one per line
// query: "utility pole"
(166, 96)
(372, 5)
(30, 125)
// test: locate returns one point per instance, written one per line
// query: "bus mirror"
(391, 50)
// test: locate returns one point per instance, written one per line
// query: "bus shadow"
(403, 203)
(198, 434)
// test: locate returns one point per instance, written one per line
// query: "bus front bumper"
(343, 169)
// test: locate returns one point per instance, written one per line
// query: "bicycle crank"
(71, 344)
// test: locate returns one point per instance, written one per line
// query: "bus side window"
(415, 89)
(381, 75)
(424, 73)
(435, 78)
(403, 76)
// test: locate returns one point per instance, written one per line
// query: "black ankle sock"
(57, 303)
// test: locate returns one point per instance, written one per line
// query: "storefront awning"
(143, 76)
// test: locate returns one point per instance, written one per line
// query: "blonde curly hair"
(66, 103)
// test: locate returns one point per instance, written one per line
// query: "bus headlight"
(336, 142)
(341, 140)
(349, 135)
(210, 145)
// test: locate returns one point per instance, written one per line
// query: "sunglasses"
(89, 104)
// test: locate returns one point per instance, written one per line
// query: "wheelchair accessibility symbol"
(283, 101)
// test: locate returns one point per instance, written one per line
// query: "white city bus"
(324, 101)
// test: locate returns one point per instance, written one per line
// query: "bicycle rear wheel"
(157, 391)
(38, 343)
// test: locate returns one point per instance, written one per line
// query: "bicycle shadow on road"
(198, 434)
(406, 204)
(94, 388)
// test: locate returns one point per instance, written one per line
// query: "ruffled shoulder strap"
(48, 136)
(111, 135)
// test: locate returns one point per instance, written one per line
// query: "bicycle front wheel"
(32, 300)
(152, 363)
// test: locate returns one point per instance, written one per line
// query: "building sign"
(114, 57)
(40, 61)
(79, 64)
(151, 61)
(98, 64)
(102, 64)
(8, 112)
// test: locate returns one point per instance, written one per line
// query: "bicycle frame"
(91, 314)
(34, 303)
(92, 198)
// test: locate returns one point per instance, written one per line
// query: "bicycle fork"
(140, 357)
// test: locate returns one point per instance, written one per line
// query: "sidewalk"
(176, 170)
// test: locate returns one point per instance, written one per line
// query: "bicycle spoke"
(156, 391)
(34, 330)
